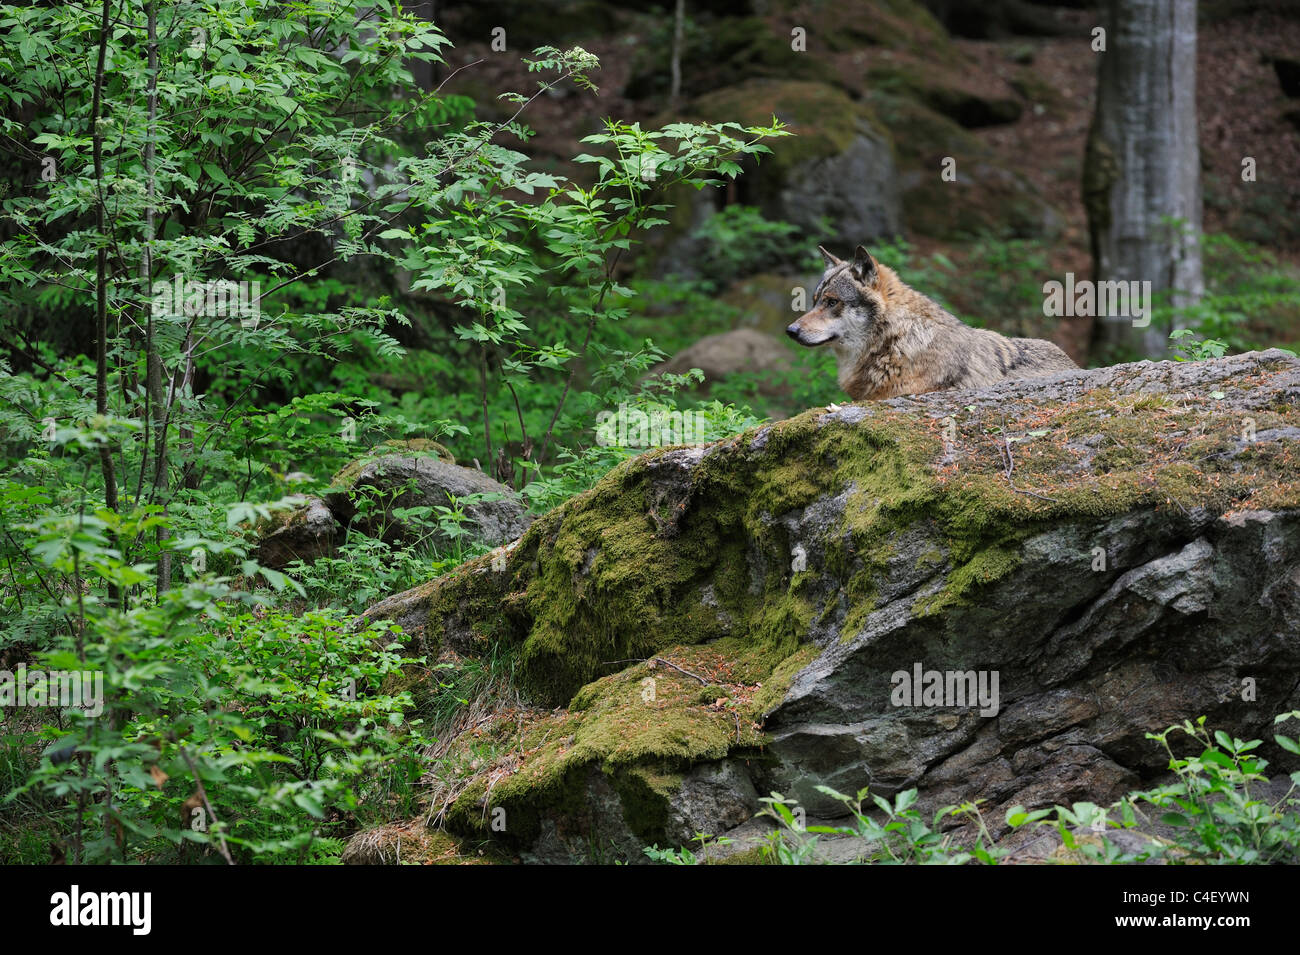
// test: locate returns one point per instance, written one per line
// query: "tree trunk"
(101, 266)
(675, 66)
(1142, 165)
(153, 361)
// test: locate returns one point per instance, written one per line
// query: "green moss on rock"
(639, 727)
(823, 119)
(849, 25)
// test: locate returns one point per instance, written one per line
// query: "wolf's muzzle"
(796, 332)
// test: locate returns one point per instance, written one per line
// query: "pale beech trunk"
(1143, 162)
(675, 66)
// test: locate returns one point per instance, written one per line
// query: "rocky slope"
(1119, 549)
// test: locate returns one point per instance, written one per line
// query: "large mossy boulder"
(1121, 547)
(836, 175)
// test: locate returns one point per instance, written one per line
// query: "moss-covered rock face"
(871, 128)
(986, 198)
(722, 52)
(530, 23)
(847, 25)
(816, 40)
(823, 119)
(835, 176)
(947, 96)
(1119, 546)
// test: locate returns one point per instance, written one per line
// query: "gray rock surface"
(856, 191)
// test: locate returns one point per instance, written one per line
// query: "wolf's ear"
(830, 259)
(864, 267)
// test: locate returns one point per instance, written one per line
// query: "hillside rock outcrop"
(1081, 559)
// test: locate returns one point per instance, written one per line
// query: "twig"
(1186, 513)
(1011, 466)
(669, 663)
(203, 794)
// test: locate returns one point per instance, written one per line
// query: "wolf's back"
(1041, 357)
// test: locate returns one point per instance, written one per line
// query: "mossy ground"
(641, 726)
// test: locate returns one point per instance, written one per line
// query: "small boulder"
(303, 534)
(739, 351)
(392, 481)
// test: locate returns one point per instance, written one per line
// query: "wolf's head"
(845, 305)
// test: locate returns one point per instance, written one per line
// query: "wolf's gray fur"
(891, 340)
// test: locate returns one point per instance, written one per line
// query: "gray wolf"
(891, 340)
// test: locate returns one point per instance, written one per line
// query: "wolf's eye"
(828, 300)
